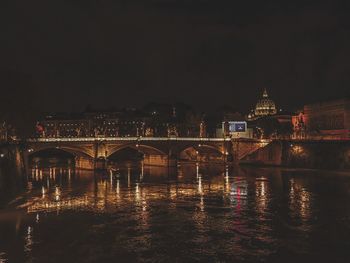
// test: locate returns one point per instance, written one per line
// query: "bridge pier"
(243, 148)
(100, 163)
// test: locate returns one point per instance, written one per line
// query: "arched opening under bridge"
(139, 152)
(59, 157)
(202, 153)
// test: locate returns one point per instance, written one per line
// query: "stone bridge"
(163, 151)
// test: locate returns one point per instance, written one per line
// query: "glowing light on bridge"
(297, 149)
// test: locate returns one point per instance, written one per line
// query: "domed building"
(264, 107)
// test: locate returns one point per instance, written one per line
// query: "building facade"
(123, 123)
(91, 124)
(299, 128)
(328, 120)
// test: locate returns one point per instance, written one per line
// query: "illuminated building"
(172, 131)
(91, 124)
(155, 120)
(299, 128)
(264, 107)
(269, 123)
(328, 120)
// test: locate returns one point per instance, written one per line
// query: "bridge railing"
(93, 139)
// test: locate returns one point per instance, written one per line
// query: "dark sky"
(60, 55)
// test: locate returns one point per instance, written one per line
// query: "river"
(194, 213)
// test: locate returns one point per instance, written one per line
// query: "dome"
(265, 106)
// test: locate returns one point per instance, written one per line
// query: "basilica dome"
(264, 107)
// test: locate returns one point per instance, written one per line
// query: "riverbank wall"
(333, 155)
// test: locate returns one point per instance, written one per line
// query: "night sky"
(61, 55)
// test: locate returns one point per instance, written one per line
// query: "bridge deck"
(93, 139)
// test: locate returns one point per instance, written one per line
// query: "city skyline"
(171, 113)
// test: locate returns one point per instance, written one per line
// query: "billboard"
(237, 126)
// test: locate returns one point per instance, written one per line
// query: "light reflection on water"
(300, 201)
(193, 213)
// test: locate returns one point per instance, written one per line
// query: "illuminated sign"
(237, 126)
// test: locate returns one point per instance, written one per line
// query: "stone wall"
(313, 154)
(319, 155)
(271, 154)
(329, 119)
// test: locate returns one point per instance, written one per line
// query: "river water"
(195, 213)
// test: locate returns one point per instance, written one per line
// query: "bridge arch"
(192, 152)
(75, 151)
(145, 149)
